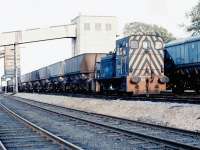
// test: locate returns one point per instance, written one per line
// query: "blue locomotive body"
(107, 67)
(182, 63)
(122, 57)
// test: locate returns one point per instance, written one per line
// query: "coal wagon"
(73, 74)
(182, 64)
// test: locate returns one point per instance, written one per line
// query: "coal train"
(74, 74)
(140, 64)
(135, 67)
(182, 64)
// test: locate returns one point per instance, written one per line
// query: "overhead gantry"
(11, 41)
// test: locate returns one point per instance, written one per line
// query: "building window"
(87, 26)
(97, 26)
(108, 27)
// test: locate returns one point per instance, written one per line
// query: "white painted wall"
(97, 38)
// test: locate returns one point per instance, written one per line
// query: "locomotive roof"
(182, 41)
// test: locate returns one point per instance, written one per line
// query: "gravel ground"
(184, 116)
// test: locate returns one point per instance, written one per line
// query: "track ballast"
(170, 137)
(19, 133)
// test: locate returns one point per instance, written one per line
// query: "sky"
(25, 14)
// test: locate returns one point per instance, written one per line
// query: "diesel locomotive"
(137, 66)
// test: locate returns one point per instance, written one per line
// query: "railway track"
(19, 133)
(171, 99)
(153, 135)
(186, 99)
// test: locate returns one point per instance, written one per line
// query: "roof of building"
(92, 17)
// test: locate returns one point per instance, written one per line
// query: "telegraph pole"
(15, 90)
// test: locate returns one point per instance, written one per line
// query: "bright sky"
(24, 14)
